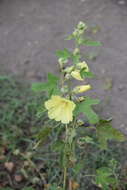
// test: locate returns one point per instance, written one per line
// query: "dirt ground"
(32, 30)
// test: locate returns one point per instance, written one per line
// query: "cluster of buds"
(81, 27)
(74, 71)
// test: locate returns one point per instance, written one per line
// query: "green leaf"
(85, 74)
(39, 87)
(43, 134)
(89, 42)
(85, 108)
(78, 167)
(58, 146)
(55, 187)
(106, 132)
(27, 188)
(76, 58)
(71, 135)
(86, 139)
(40, 111)
(69, 37)
(51, 86)
(104, 177)
(63, 54)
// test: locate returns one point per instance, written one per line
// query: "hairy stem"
(65, 167)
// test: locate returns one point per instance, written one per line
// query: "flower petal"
(60, 109)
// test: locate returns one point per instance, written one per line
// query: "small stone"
(121, 87)
(122, 125)
(41, 28)
(26, 62)
(121, 2)
(21, 15)
(103, 71)
(36, 42)
(30, 74)
(29, 44)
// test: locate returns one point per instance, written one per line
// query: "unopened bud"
(67, 76)
(83, 65)
(62, 60)
(81, 89)
(76, 33)
(80, 99)
(76, 74)
(69, 69)
(82, 26)
(76, 51)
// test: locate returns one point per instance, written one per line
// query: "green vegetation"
(67, 153)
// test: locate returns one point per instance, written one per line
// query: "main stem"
(65, 167)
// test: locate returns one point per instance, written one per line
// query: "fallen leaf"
(9, 166)
(18, 178)
(73, 185)
(2, 157)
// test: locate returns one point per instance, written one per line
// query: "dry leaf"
(18, 178)
(9, 166)
(75, 185)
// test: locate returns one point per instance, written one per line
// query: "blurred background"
(31, 32)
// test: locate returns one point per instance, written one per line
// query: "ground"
(31, 31)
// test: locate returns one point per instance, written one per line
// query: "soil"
(31, 31)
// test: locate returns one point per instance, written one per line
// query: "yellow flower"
(60, 109)
(81, 89)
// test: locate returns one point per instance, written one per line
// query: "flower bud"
(69, 69)
(76, 33)
(83, 65)
(81, 89)
(67, 76)
(82, 26)
(62, 60)
(76, 74)
(80, 99)
(76, 51)
(80, 122)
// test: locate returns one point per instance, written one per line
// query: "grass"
(37, 168)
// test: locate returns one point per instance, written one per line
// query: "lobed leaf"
(104, 177)
(106, 132)
(85, 74)
(89, 42)
(85, 108)
(43, 134)
(51, 86)
(63, 54)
